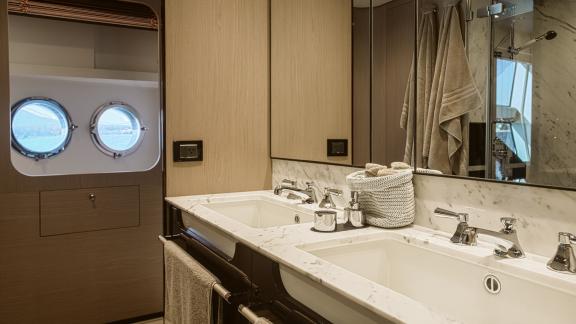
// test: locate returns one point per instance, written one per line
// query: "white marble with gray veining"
(281, 245)
(553, 98)
(541, 212)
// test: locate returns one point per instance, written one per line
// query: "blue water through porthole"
(41, 127)
(116, 129)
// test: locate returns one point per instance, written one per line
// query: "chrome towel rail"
(223, 292)
(218, 288)
(249, 314)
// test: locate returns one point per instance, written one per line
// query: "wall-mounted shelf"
(136, 78)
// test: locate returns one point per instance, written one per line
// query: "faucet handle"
(508, 223)
(566, 238)
(289, 182)
(445, 213)
(332, 191)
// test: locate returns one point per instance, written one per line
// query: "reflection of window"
(116, 129)
(41, 127)
(514, 106)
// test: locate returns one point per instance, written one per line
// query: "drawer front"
(83, 210)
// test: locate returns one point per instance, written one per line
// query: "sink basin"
(256, 210)
(469, 291)
(261, 212)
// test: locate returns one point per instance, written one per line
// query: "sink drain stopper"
(492, 284)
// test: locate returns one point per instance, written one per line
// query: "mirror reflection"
(473, 88)
(339, 70)
(519, 60)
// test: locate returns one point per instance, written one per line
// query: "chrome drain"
(297, 219)
(492, 284)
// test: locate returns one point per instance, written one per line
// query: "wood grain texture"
(311, 86)
(217, 91)
(72, 211)
(361, 86)
(91, 277)
(393, 47)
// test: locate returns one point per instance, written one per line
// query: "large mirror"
(516, 123)
(472, 88)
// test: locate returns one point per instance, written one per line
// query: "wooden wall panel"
(393, 46)
(91, 277)
(91, 209)
(311, 87)
(361, 86)
(217, 91)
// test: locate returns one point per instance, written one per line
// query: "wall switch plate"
(185, 151)
(337, 147)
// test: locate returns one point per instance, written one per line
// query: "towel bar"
(202, 246)
(223, 292)
(248, 314)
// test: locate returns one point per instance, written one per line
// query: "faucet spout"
(468, 235)
(510, 236)
(307, 195)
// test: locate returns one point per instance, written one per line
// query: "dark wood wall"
(85, 274)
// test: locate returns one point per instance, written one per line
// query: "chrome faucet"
(328, 201)
(284, 184)
(307, 195)
(468, 235)
(565, 258)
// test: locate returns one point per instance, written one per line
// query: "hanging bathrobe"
(454, 94)
(426, 60)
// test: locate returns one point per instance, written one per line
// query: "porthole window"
(41, 127)
(116, 129)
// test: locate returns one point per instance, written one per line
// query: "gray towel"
(188, 288)
(454, 95)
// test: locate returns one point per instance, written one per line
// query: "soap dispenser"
(353, 214)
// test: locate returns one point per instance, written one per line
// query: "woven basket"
(387, 201)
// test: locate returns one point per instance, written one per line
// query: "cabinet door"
(71, 211)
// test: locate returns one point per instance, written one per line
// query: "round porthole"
(41, 127)
(116, 129)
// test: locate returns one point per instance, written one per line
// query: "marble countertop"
(282, 244)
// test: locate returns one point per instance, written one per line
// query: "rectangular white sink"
(455, 286)
(261, 212)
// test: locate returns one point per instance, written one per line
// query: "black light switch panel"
(337, 147)
(185, 151)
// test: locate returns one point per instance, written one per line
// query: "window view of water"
(40, 126)
(118, 128)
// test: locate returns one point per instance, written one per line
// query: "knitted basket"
(387, 201)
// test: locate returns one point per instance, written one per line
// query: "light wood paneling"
(217, 91)
(73, 211)
(393, 46)
(311, 87)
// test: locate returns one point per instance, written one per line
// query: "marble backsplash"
(541, 212)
